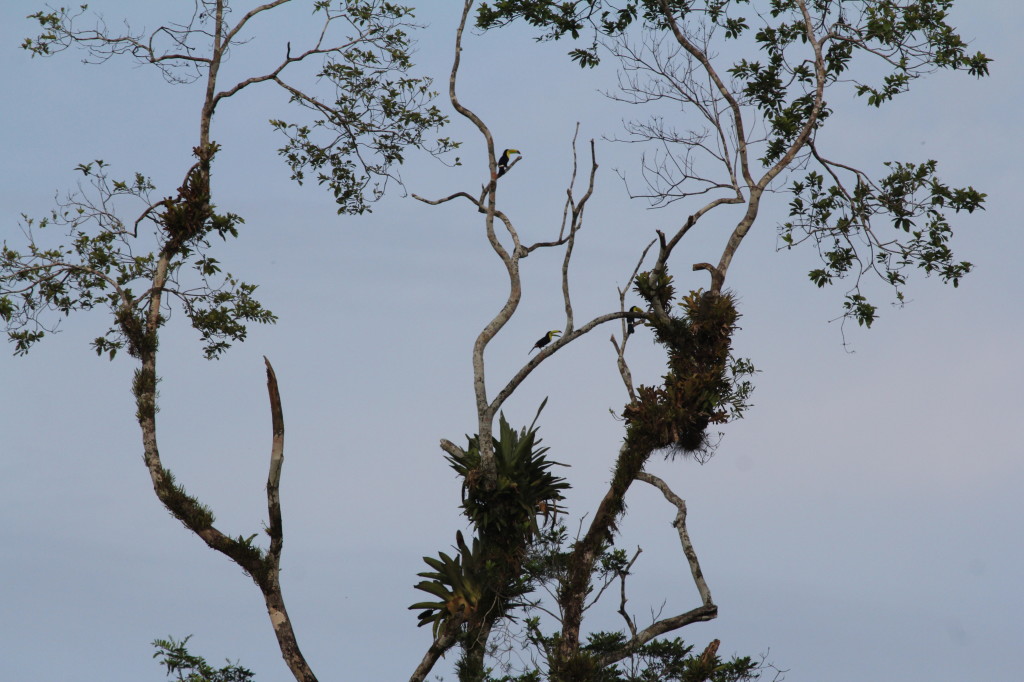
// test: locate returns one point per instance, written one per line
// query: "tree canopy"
(743, 98)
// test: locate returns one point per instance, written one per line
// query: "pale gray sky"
(863, 522)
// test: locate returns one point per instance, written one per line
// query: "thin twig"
(630, 622)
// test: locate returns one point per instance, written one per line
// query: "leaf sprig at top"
(770, 102)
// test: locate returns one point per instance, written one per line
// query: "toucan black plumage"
(546, 339)
(503, 161)
(631, 321)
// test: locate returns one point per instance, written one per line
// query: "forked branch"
(263, 567)
(271, 583)
(707, 611)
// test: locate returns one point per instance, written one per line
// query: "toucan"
(503, 161)
(546, 339)
(631, 321)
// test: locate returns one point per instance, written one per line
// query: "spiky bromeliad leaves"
(481, 583)
(525, 485)
(459, 582)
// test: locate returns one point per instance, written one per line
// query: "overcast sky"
(863, 522)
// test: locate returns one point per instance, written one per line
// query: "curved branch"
(552, 347)
(444, 642)
(697, 615)
(684, 536)
(288, 59)
(249, 15)
(166, 203)
(459, 107)
(707, 611)
(456, 195)
(275, 529)
(264, 568)
(575, 225)
(717, 278)
(270, 585)
(485, 414)
(741, 230)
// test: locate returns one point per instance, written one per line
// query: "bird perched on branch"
(546, 339)
(631, 322)
(503, 161)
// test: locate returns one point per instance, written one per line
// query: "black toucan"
(546, 339)
(631, 321)
(503, 161)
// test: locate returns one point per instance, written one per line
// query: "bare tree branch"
(230, 35)
(275, 529)
(544, 353)
(707, 611)
(450, 197)
(575, 225)
(709, 69)
(271, 584)
(445, 641)
(620, 351)
(684, 536)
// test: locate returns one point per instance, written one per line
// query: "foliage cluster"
(916, 31)
(380, 111)
(183, 666)
(839, 222)
(99, 266)
(873, 49)
(698, 389)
